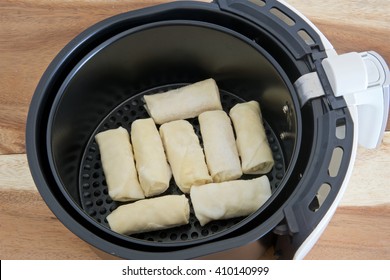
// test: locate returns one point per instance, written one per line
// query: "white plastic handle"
(363, 79)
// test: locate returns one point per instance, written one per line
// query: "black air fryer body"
(255, 51)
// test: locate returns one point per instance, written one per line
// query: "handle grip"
(363, 80)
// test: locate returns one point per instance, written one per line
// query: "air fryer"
(314, 103)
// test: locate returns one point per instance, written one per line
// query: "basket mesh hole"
(214, 228)
(184, 236)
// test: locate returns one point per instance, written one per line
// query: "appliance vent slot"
(320, 197)
(260, 3)
(335, 161)
(340, 129)
(306, 37)
(285, 18)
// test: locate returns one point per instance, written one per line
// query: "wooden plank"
(358, 230)
(370, 184)
(28, 230)
(33, 32)
(15, 173)
(355, 233)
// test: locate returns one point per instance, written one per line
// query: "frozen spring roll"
(118, 165)
(150, 214)
(252, 143)
(220, 146)
(217, 201)
(185, 155)
(154, 172)
(183, 103)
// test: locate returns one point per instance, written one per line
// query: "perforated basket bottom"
(93, 187)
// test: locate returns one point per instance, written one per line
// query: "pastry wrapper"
(117, 159)
(183, 103)
(153, 170)
(252, 144)
(219, 146)
(185, 155)
(150, 214)
(217, 201)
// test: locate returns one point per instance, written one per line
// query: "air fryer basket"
(105, 91)
(97, 83)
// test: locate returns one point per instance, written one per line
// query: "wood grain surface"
(31, 231)
(32, 32)
(358, 230)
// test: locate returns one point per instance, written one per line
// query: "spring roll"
(154, 172)
(184, 154)
(230, 199)
(118, 165)
(252, 143)
(219, 146)
(150, 214)
(183, 103)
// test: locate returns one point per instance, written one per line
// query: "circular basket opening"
(105, 91)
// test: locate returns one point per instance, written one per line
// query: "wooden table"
(32, 32)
